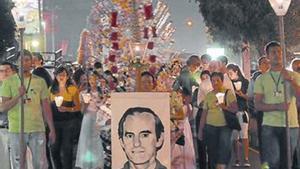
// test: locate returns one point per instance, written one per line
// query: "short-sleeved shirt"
(69, 96)
(266, 86)
(187, 80)
(215, 115)
(33, 116)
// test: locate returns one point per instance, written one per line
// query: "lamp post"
(21, 23)
(281, 7)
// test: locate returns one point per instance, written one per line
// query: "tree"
(231, 21)
(8, 26)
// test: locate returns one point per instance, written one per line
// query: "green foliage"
(7, 25)
(231, 21)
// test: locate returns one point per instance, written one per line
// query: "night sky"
(192, 39)
(72, 18)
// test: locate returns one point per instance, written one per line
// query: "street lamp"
(189, 23)
(281, 7)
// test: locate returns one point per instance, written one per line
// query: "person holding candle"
(240, 85)
(90, 151)
(213, 126)
(65, 117)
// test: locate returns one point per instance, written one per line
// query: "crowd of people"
(67, 116)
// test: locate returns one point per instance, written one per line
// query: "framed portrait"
(140, 130)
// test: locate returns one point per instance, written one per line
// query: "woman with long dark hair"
(66, 109)
(240, 85)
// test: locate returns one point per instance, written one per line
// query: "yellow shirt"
(70, 95)
(215, 115)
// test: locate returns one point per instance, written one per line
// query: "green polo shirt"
(266, 85)
(33, 117)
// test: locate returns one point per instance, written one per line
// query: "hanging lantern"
(114, 36)
(148, 11)
(115, 46)
(114, 69)
(150, 45)
(114, 17)
(152, 58)
(146, 33)
(137, 50)
(112, 58)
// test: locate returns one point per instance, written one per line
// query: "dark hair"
(98, 65)
(217, 74)
(271, 45)
(77, 74)
(39, 56)
(261, 59)
(237, 69)
(92, 73)
(223, 59)
(192, 60)
(205, 72)
(108, 73)
(27, 53)
(159, 127)
(146, 73)
(205, 56)
(186, 92)
(12, 66)
(55, 87)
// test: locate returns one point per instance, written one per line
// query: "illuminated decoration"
(137, 50)
(85, 50)
(130, 29)
(215, 52)
(28, 13)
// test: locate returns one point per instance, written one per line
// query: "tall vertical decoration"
(85, 49)
(114, 24)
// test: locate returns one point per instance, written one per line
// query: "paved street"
(254, 161)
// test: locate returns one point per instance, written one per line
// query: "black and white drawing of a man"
(141, 135)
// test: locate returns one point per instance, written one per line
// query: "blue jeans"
(36, 142)
(218, 141)
(274, 145)
(4, 148)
